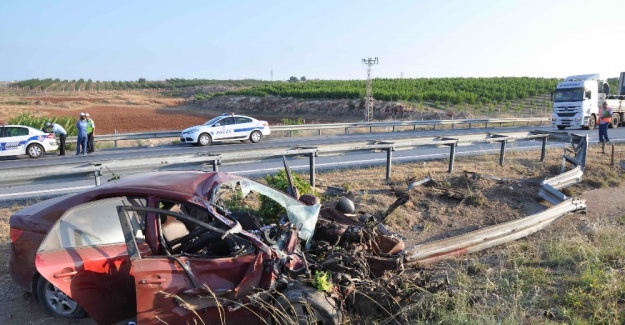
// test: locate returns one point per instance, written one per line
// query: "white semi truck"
(577, 99)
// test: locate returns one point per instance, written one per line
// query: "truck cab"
(576, 101)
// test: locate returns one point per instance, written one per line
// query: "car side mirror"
(588, 94)
(217, 124)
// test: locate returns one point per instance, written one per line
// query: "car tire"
(204, 139)
(34, 150)
(302, 305)
(256, 136)
(57, 303)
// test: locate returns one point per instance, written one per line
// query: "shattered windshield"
(266, 205)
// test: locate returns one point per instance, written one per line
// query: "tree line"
(449, 90)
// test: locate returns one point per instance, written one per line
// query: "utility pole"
(368, 98)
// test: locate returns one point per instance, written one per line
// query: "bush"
(269, 209)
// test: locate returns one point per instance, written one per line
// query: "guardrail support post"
(216, 163)
(543, 149)
(389, 158)
(452, 157)
(311, 159)
(347, 130)
(97, 175)
(502, 152)
(116, 137)
(612, 157)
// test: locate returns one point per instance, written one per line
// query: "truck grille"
(566, 114)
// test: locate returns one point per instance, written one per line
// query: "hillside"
(189, 102)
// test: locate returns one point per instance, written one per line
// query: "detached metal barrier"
(551, 187)
(495, 235)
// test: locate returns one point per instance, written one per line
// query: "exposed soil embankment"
(328, 110)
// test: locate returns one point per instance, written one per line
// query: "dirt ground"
(451, 206)
(124, 112)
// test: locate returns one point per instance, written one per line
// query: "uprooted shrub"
(270, 211)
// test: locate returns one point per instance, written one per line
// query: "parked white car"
(19, 140)
(226, 127)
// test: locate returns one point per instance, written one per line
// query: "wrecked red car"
(188, 247)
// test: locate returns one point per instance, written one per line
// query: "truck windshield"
(569, 95)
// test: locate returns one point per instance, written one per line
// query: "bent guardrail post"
(543, 149)
(579, 145)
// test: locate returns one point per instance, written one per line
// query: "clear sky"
(325, 39)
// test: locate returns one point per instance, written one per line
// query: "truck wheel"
(561, 127)
(302, 305)
(616, 120)
(592, 122)
(57, 303)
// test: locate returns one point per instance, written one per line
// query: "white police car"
(226, 127)
(19, 140)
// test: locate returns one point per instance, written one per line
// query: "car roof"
(23, 126)
(188, 183)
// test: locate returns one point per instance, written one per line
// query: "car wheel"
(204, 139)
(592, 122)
(256, 136)
(57, 303)
(301, 305)
(34, 150)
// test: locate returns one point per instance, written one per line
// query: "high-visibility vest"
(605, 115)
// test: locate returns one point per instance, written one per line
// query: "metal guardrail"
(551, 187)
(216, 158)
(292, 129)
(488, 237)
(495, 235)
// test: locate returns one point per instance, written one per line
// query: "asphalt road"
(54, 187)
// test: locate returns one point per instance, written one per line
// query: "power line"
(368, 97)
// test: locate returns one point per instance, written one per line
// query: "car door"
(85, 256)
(199, 285)
(244, 126)
(14, 141)
(225, 130)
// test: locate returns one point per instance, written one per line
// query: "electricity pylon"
(368, 98)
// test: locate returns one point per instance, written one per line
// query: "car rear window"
(15, 131)
(241, 120)
(93, 224)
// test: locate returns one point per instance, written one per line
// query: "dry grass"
(568, 273)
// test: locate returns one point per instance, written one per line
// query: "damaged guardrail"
(495, 235)
(551, 187)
